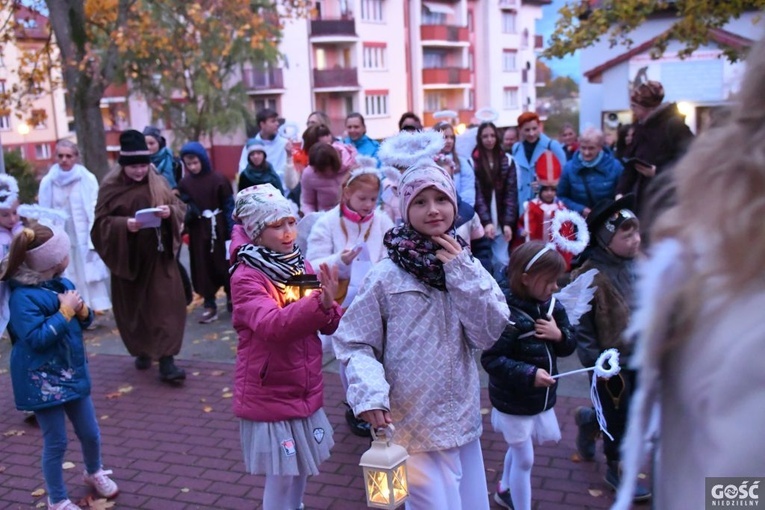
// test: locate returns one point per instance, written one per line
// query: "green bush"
(24, 173)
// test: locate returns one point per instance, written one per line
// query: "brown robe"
(147, 291)
(209, 267)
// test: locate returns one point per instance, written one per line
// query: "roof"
(30, 24)
(718, 35)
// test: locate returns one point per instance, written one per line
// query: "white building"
(698, 84)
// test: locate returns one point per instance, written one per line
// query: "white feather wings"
(576, 297)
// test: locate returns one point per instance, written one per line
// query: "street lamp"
(23, 129)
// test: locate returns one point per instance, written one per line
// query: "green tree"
(24, 173)
(160, 45)
(582, 23)
(562, 87)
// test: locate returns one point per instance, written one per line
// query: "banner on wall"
(706, 76)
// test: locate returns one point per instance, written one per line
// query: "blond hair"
(721, 198)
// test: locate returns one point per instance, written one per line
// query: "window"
(433, 18)
(39, 119)
(434, 101)
(471, 99)
(374, 56)
(471, 61)
(470, 21)
(372, 10)
(511, 98)
(509, 60)
(262, 103)
(42, 151)
(508, 22)
(433, 59)
(376, 104)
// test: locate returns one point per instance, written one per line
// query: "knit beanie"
(255, 144)
(649, 94)
(133, 149)
(420, 177)
(259, 205)
(49, 254)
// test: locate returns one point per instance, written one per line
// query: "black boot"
(168, 372)
(613, 477)
(142, 362)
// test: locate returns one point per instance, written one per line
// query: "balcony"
(256, 80)
(509, 4)
(343, 78)
(464, 117)
(444, 33)
(328, 27)
(446, 76)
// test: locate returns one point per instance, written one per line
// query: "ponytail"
(28, 239)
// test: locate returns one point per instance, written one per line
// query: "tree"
(181, 55)
(562, 87)
(582, 23)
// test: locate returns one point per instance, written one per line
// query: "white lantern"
(385, 471)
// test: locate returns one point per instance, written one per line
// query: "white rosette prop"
(581, 236)
(9, 191)
(606, 366)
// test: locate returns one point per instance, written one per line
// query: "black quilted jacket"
(513, 361)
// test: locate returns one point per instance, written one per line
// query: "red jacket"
(535, 223)
(278, 361)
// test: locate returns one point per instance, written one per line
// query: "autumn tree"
(582, 23)
(183, 56)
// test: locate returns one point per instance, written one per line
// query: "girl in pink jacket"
(278, 387)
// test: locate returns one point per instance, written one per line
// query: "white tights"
(517, 473)
(284, 492)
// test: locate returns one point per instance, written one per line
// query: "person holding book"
(147, 292)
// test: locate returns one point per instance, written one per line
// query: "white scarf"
(65, 178)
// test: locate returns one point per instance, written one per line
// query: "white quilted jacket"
(409, 347)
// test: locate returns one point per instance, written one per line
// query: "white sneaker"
(101, 483)
(63, 505)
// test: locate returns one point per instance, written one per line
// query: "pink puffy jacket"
(278, 361)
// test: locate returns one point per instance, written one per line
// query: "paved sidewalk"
(178, 448)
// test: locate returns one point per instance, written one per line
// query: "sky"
(568, 66)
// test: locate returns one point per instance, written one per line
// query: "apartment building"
(384, 57)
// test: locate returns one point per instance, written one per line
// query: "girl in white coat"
(408, 341)
(350, 236)
(69, 187)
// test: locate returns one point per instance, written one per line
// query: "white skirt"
(515, 428)
(290, 447)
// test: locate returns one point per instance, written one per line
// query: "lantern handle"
(387, 431)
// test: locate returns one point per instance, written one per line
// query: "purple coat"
(278, 372)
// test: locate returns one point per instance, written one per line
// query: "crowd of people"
(419, 257)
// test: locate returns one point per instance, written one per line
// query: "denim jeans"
(53, 426)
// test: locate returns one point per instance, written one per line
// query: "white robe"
(76, 195)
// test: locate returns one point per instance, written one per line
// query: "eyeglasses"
(65, 156)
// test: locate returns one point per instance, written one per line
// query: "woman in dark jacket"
(496, 183)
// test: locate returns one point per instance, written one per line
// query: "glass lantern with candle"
(384, 467)
(300, 286)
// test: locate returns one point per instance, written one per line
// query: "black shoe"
(142, 362)
(587, 422)
(613, 477)
(169, 372)
(358, 427)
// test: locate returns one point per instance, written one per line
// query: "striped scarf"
(279, 267)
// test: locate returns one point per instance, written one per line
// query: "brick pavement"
(178, 448)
